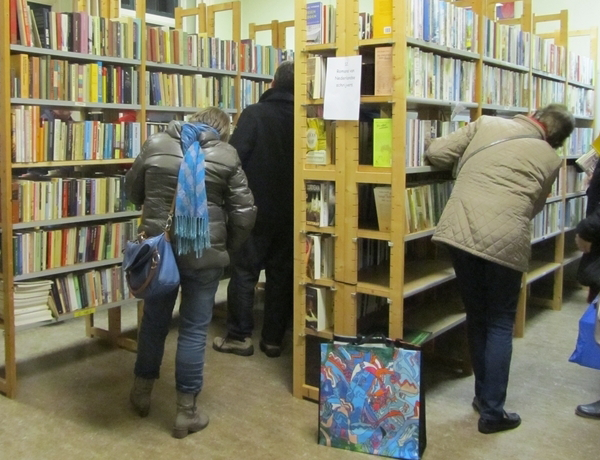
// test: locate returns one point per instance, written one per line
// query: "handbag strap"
(492, 144)
(151, 273)
(169, 222)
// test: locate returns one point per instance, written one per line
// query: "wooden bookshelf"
(406, 278)
(10, 169)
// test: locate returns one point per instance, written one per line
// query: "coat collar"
(174, 130)
(275, 94)
(534, 124)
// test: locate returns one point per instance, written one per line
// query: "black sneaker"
(476, 405)
(272, 351)
(508, 422)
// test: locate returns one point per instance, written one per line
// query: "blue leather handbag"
(150, 266)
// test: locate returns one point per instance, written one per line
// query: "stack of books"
(31, 302)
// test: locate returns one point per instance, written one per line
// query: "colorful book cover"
(382, 142)
(314, 22)
(382, 18)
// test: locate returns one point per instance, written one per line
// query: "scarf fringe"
(192, 234)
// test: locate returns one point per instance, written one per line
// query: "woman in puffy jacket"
(213, 213)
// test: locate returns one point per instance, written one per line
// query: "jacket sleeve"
(134, 180)
(241, 212)
(546, 189)
(243, 138)
(589, 228)
(445, 152)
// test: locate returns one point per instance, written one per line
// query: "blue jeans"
(490, 293)
(198, 288)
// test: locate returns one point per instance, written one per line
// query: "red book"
(14, 35)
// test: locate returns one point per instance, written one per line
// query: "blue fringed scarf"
(190, 223)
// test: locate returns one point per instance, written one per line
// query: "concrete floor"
(72, 403)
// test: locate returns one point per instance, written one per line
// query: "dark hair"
(216, 118)
(559, 123)
(284, 76)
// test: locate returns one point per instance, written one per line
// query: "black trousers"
(490, 293)
(269, 247)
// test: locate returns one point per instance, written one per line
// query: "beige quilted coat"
(498, 190)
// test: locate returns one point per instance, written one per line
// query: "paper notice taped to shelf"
(342, 88)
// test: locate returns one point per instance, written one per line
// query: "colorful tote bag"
(371, 399)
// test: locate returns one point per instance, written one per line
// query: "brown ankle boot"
(140, 395)
(188, 419)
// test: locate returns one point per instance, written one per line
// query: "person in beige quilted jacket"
(504, 170)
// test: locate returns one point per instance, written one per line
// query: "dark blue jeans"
(269, 247)
(198, 288)
(490, 293)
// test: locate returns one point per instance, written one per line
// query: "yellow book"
(382, 142)
(316, 142)
(93, 77)
(19, 64)
(382, 18)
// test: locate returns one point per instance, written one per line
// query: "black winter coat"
(589, 230)
(152, 181)
(264, 139)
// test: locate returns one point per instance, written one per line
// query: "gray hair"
(215, 118)
(558, 121)
(284, 76)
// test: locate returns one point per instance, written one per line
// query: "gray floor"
(72, 403)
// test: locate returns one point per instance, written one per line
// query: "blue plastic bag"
(587, 350)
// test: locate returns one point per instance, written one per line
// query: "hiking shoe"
(272, 351)
(237, 347)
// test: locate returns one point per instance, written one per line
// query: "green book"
(382, 142)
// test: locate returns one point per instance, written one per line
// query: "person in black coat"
(588, 240)
(264, 139)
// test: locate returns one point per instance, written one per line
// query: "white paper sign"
(342, 88)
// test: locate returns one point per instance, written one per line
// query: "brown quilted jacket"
(152, 181)
(498, 190)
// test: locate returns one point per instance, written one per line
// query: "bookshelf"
(409, 283)
(37, 207)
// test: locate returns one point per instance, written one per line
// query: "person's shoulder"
(161, 143)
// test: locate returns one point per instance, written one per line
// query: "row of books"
(320, 141)
(575, 211)
(546, 92)
(435, 77)
(424, 205)
(251, 90)
(320, 203)
(77, 32)
(441, 22)
(39, 250)
(319, 256)
(581, 69)
(315, 77)
(155, 127)
(504, 87)
(547, 221)
(417, 131)
(319, 308)
(579, 141)
(49, 198)
(261, 59)
(575, 180)
(372, 253)
(365, 26)
(177, 90)
(31, 301)
(506, 43)
(47, 78)
(174, 46)
(581, 101)
(548, 57)
(94, 288)
(320, 22)
(36, 141)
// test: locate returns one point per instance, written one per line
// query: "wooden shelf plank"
(505, 64)
(436, 318)
(321, 48)
(581, 85)
(76, 220)
(571, 257)
(374, 234)
(73, 104)
(374, 176)
(417, 101)
(443, 50)
(366, 288)
(190, 69)
(257, 76)
(325, 282)
(549, 76)
(376, 42)
(418, 235)
(538, 269)
(69, 268)
(326, 334)
(72, 55)
(60, 164)
(425, 274)
(545, 237)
